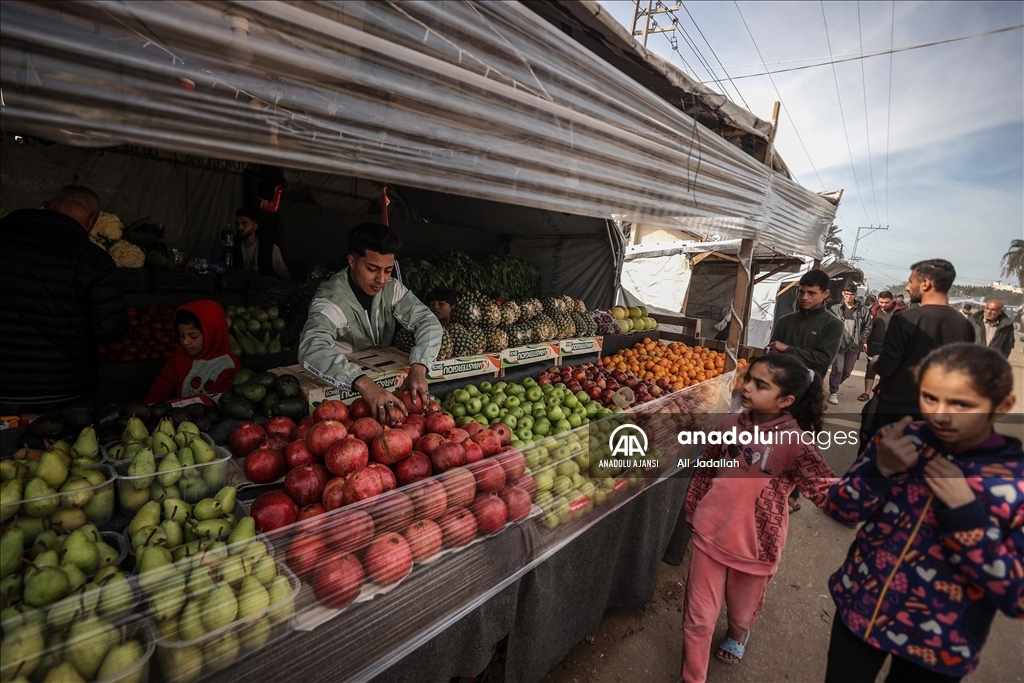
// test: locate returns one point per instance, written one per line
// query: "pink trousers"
(710, 583)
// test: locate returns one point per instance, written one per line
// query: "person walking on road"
(881, 314)
(738, 514)
(993, 328)
(912, 335)
(856, 320)
(940, 549)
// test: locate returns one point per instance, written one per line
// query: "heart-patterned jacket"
(921, 581)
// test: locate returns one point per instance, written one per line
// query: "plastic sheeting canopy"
(479, 99)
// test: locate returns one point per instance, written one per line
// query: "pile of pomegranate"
(384, 498)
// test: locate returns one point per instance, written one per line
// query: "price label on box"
(531, 353)
(470, 366)
(580, 346)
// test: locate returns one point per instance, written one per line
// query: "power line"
(842, 115)
(867, 128)
(735, 87)
(866, 55)
(783, 102)
(888, 110)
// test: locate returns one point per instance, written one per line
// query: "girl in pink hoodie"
(738, 509)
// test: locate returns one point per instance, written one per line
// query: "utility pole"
(648, 17)
(870, 228)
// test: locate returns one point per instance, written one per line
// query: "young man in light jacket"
(359, 308)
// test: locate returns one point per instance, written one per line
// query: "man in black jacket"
(60, 298)
(993, 328)
(911, 335)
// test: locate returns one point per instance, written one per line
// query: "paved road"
(790, 642)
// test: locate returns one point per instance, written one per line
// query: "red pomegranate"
(457, 435)
(334, 493)
(512, 461)
(428, 442)
(415, 467)
(273, 510)
(265, 466)
(245, 439)
(297, 453)
(304, 553)
(362, 484)
(330, 410)
(458, 527)
(473, 428)
(448, 455)
(346, 455)
(387, 477)
(490, 512)
(391, 446)
(517, 502)
(416, 422)
(488, 440)
(349, 531)
(388, 559)
(358, 409)
(306, 484)
(322, 434)
(366, 429)
(429, 498)
(503, 431)
(489, 475)
(473, 451)
(337, 580)
(425, 540)
(460, 485)
(280, 425)
(393, 511)
(439, 423)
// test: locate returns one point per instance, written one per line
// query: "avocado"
(107, 417)
(46, 426)
(236, 408)
(195, 410)
(161, 409)
(243, 376)
(267, 379)
(76, 418)
(203, 423)
(138, 409)
(178, 415)
(212, 414)
(287, 386)
(294, 408)
(252, 392)
(267, 404)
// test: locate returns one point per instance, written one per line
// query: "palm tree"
(1013, 261)
(833, 242)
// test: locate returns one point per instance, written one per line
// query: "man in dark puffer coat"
(59, 298)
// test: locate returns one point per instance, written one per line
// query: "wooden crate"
(675, 328)
(376, 361)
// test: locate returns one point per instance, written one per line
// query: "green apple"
(501, 386)
(474, 406)
(570, 401)
(561, 387)
(554, 414)
(542, 498)
(526, 406)
(461, 396)
(526, 422)
(490, 411)
(562, 424)
(529, 382)
(512, 402)
(547, 389)
(532, 455)
(511, 421)
(472, 391)
(458, 410)
(482, 420)
(575, 420)
(582, 397)
(486, 387)
(524, 433)
(539, 412)
(464, 420)
(560, 486)
(516, 413)
(542, 426)
(543, 480)
(499, 399)
(534, 393)
(564, 468)
(516, 443)
(484, 399)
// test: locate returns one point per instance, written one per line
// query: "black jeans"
(851, 660)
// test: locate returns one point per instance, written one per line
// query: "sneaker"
(833, 399)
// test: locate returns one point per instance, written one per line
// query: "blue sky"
(954, 124)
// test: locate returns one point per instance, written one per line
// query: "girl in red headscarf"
(203, 364)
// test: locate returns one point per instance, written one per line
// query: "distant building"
(999, 286)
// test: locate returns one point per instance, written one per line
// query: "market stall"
(490, 126)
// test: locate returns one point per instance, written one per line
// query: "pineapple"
(568, 303)
(462, 342)
(446, 346)
(544, 328)
(553, 306)
(404, 339)
(492, 316)
(467, 311)
(519, 334)
(478, 336)
(497, 339)
(585, 325)
(566, 326)
(581, 307)
(509, 313)
(530, 309)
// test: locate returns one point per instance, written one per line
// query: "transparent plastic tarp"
(478, 99)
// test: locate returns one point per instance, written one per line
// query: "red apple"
(387, 477)
(304, 553)
(280, 425)
(448, 455)
(456, 435)
(297, 453)
(310, 511)
(349, 531)
(346, 455)
(358, 409)
(306, 484)
(488, 440)
(428, 442)
(473, 428)
(337, 580)
(460, 485)
(490, 512)
(393, 511)
(429, 498)
(439, 423)
(503, 431)
(526, 483)
(388, 559)
(391, 446)
(334, 493)
(265, 466)
(512, 461)
(517, 502)
(362, 484)
(415, 467)
(322, 434)
(458, 527)
(425, 539)
(489, 475)
(273, 510)
(245, 439)
(330, 410)
(366, 429)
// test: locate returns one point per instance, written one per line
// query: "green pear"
(21, 651)
(117, 452)
(201, 451)
(103, 573)
(10, 590)
(101, 507)
(68, 519)
(148, 515)
(167, 603)
(119, 660)
(31, 527)
(47, 558)
(185, 551)
(232, 570)
(93, 476)
(230, 518)
(45, 586)
(46, 540)
(172, 530)
(253, 551)
(8, 469)
(40, 498)
(212, 554)
(201, 582)
(12, 544)
(282, 599)
(244, 530)
(76, 577)
(64, 673)
(187, 427)
(52, 468)
(169, 470)
(149, 535)
(163, 444)
(185, 457)
(168, 629)
(81, 551)
(65, 611)
(252, 597)
(180, 440)
(135, 431)
(107, 555)
(176, 509)
(226, 498)
(76, 492)
(160, 493)
(190, 625)
(215, 475)
(222, 651)
(142, 468)
(10, 498)
(89, 641)
(92, 532)
(86, 445)
(131, 449)
(220, 607)
(182, 664)
(61, 445)
(165, 427)
(21, 616)
(32, 466)
(155, 566)
(116, 595)
(213, 528)
(255, 635)
(133, 498)
(265, 570)
(192, 487)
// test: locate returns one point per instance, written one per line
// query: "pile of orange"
(676, 363)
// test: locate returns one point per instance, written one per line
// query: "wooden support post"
(769, 151)
(817, 263)
(740, 303)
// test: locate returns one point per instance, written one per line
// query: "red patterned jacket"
(737, 497)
